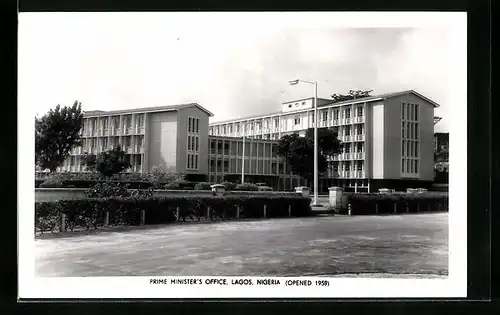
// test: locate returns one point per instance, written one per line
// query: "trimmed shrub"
(202, 186)
(229, 186)
(52, 182)
(369, 204)
(90, 213)
(247, 187)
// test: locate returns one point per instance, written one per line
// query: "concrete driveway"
(406, 244)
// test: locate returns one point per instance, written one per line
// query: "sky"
(234, 65)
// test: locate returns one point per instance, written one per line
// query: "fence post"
(349, 208)
(265, 210)
(63, 222)
(395, 208)
(177, 213)
(106, 219)
(237, 212)
(143, 217)
(289, 210)
(208, 212)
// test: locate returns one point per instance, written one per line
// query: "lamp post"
(315, 83)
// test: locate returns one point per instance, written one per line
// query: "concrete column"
(335, 197)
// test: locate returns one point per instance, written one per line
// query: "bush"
(91, 212)
(229, 186)
(247, 187)
(202, 186)
(369, 204)
(52, 182)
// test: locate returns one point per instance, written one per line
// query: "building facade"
(171, 136)
(387, 140)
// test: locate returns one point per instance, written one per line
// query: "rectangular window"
(360, 111)
(407, 130)
(359, 130)
(230, 128)
(189, 124)
(408, 149)
(189, 143)
(237, 127)
(402, 165)
(416, 166)
(296, 120)
(408, 166)
(188, 161)
(325, 116)
(251, 127)
(403, 111)
(223, 130)
(197, 144)
(402, 130)
(416, 131)
(348, 130)
(276, 122)
(408, 112)
(335, 114)
(348, 112)
(416, 149)
(196, 161)
(403, 148)
(416, 112)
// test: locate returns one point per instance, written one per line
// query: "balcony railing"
(336, 122)
(360, 137)
(359, 119)
(359, 156)
(346, 138)
(345, 121)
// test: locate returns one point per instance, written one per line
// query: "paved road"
(413, 244)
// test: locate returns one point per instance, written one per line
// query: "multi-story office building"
(387, 140)
(262, 164)
(172, 136)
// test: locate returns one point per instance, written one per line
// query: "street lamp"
(295, 82)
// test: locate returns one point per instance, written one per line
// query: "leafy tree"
(56, 133)
(107, 163)
(353, 94)
(298, 151)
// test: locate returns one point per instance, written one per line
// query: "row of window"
(409, 166)
(115, 122)
(261, 166)
(410, 130)
(192, 161)
(409, 111)
(410, 148)
(193, 125)
(258, 124)
(346, 147)
(126, 141)
(193, 143)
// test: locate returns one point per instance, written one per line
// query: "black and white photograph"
(284, 154)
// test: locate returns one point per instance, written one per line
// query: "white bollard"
(143, 217)
(349, 207)
(63, 222)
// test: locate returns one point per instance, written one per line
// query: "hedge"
(90, 213)
(369, 204)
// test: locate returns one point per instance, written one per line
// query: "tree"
(107, 163)
(353, 94)
(298, 152)
(56, 133)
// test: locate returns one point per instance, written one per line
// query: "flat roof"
(166, 108)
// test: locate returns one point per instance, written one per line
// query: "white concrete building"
(387, 140)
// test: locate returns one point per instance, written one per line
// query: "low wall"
(53, 194)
